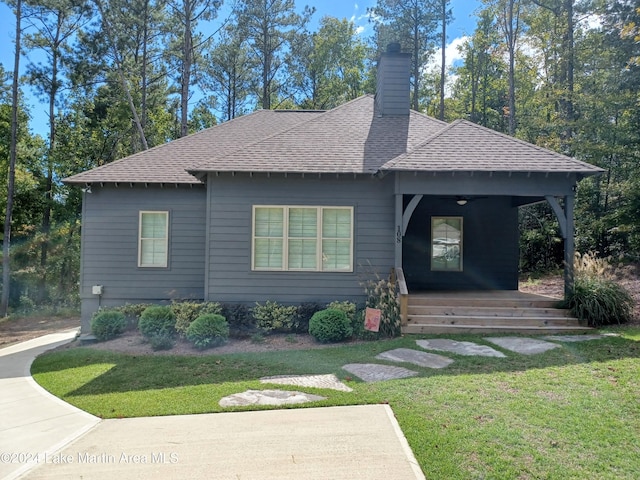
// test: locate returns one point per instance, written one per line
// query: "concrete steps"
(487, 312)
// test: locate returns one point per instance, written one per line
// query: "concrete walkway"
(42, 437)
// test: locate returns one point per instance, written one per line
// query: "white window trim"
(460, 245)
(285, 239)
(166, 239)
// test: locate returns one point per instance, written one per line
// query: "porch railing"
(397, 278)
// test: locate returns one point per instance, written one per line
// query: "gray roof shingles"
(351, 138)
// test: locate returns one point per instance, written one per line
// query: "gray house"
(299, 206)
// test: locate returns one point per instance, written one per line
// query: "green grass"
(570, 413)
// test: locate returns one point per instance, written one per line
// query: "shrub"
(186, 312)
(132, 312)
(241, 322)
(381, 294)
(330, 325)
(273, 316)
(157, 320)
(598, 302)
(108, 324)
(208, 330)
(162, 341)
(304, 312)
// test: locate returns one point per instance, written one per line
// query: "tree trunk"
(187, 60)
(6, 242)
(443, 69)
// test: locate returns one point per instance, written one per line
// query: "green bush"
(274, 317)
(186, 312)
(162, 341)
(208, 330)
(157, 320)
(381, 294)
(330, 325)
(107, 324)
(304, 312)
(241, 322)
(597, 302)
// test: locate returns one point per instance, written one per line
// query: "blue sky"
(463, 24)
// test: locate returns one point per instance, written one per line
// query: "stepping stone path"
(573, 338)
(524, 346)
(373, 372)
(314, 381)
(461, 348)
(422, 359)
(268, 397)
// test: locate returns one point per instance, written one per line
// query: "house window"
(153, 239)
(303, 238)
(446, 244)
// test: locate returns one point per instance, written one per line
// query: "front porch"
(482, 312)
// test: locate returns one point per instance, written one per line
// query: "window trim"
(319, 238)
(164, 264)
(460, 244)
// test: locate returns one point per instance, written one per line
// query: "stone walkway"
(378, 372)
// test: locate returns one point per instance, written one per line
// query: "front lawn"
(572, 412)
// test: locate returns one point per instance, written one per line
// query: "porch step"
(488, 312)
(490, 329)
(495, 320)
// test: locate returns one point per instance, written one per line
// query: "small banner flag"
(372, 319)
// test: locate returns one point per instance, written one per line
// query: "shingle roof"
(351, 138)
(348, 139)
(168, 163)
(466, 146)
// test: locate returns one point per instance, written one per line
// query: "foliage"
(304, 313)
(241, 322)
(599, 302)
(273, 316)
(107, 324)
(208, 330)
(382, 295)
(161, 340)
(157, 320)
(186, 312)
(330, 325)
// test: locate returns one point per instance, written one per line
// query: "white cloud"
(452, 55)
(360, 30)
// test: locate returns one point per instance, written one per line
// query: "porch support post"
(566, 222)
(569, 247)
(398, 231)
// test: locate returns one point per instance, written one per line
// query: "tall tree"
(329, 65)
(270, 26)
(6, 241)
(188, 14)
(413, 23)
(55, 22)
(227, 73)
(445, 18)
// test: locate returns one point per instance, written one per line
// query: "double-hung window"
(153, 239)
(302, 238)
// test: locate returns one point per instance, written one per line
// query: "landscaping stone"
(573, 338)
(461, 348)
(268, 397)
(315, 381)
(422, 359)
(524, 346)
(372, 372)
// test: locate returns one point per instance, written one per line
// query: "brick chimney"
(392, 91)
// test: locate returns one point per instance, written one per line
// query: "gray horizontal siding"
(230, 278)
(110, 244)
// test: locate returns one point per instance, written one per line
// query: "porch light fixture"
(462, 201)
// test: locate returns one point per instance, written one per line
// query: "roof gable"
(466, 146)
